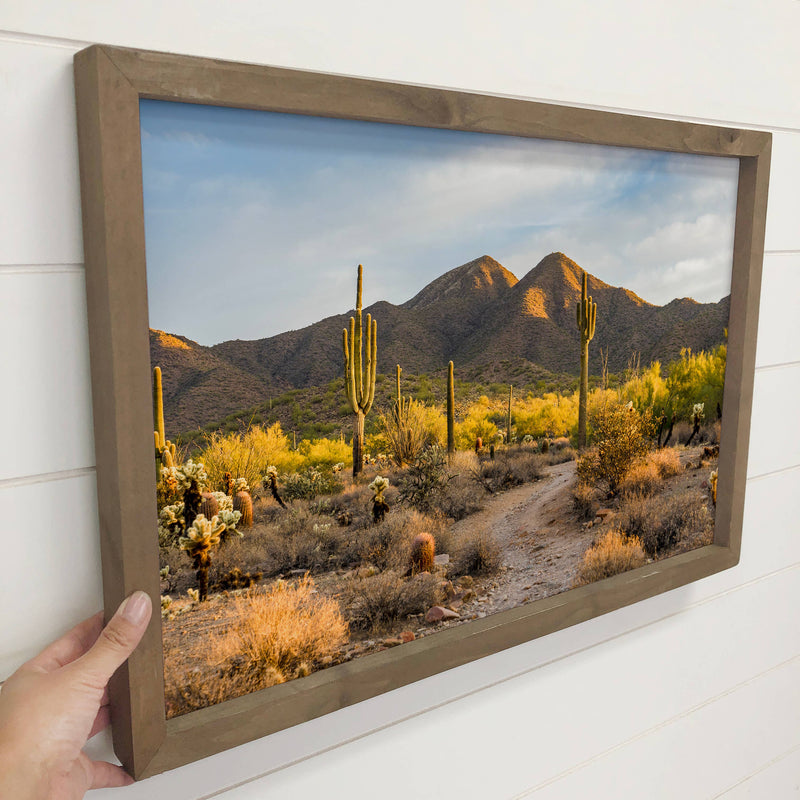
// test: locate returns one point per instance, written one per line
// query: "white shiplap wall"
(693, 694)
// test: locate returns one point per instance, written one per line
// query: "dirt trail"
(541, 541)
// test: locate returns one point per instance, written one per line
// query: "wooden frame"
(109, 84)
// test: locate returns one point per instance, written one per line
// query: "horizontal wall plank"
(46, 402)
(40, 211)
(696, 756)
(783, 202)
(738, 73)
(51, 551)
(779, 779)
(774, 434)
(779, 315)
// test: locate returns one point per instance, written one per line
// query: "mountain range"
(478, 313)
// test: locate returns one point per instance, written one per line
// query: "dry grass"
(664, 521)
(377, 601)
(643, 479)
(477, 554)
(612, 554)
(271, 637)
(584, 501)
(288, 628)
(667, 460)
(510, 468)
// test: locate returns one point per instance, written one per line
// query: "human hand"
(58, 700)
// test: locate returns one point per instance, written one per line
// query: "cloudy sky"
(255, 222)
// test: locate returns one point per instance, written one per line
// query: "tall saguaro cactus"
(451, 411)
(401, 404)
(508, 414)
(360, 364)
(587, 317)
(165, 454)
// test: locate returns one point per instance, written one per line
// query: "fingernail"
(135, 607)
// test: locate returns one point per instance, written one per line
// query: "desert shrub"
(270, 637)
(584, 501)
(476, 554)
(661, 522)
(287, 628)
(309, 483)
(643, 478)
(461, 497)
(667, 460)
(509, 468)
(379, 600)
(612, 554)
(352, 506)
(406, 433)
(475, 424)
(325, 452)
(620, 439)
(388, 544)
(558, 455)
(426, 479)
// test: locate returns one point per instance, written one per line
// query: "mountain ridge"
(474, 314)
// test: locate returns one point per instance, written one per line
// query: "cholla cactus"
(164, 573)
(527, 439)
(379, 504)
(240, 485)
(271, 480)
(224, 501)
(191, 471)
(200, 540)
(230, 520)
(698, 412)
(337, 468)
(194, 595)
(166, 602)
(171, 523)
(712, 483)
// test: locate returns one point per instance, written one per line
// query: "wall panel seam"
(782, 365)
(519, 674)
(653, 729)
(42, 40)
(39, 269)
(46, 477)
(763, 768)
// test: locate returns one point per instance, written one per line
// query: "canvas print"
(406, 378)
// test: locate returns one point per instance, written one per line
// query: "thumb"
(118, 639)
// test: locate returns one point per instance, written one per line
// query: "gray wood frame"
(109, 83)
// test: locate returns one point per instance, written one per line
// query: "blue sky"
(255, 222)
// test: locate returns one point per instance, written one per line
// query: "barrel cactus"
(423, 553)
(243, 503)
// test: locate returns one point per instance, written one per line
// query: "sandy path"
(541, 541)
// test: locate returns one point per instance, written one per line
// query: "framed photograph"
(389, 378)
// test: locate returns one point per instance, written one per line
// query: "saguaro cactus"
(508, 414)
(587, 316)
(401, 404)
(451, 405)
(359, 377)
(165, 451)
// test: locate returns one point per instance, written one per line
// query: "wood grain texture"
(109, 83)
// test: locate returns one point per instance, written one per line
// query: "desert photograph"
(407, 378)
